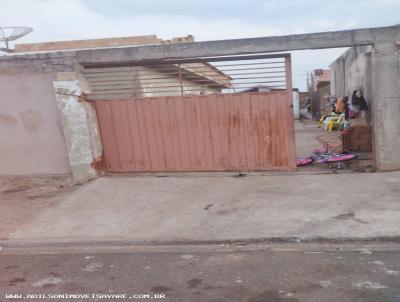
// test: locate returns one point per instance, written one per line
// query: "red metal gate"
(221, 132)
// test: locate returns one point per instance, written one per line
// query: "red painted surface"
(220, 132)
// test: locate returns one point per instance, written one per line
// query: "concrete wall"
(375, 70)
(31, 134)
(352, 71)
(45, 128)
(385, 60)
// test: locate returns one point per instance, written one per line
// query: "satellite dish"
(11, 34)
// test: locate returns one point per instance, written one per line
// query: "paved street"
(254, 273)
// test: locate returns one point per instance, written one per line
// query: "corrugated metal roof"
(325, 76)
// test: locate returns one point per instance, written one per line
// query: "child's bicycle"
(325, 158)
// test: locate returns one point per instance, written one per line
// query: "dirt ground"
(209, 208)
(36, 193)
(306, 137)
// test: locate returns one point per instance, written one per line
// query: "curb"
(121, 243)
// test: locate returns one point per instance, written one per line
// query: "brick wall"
(90, 43)
(357, 138)
(100, 43)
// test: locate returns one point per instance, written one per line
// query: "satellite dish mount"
(12, 33)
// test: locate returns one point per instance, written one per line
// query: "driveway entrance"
(219, 130)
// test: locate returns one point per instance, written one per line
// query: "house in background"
(155, 80)
(295, 97)
(145, 80)
(320, 78)
(319, 91)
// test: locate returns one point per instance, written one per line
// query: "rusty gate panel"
(220, 132)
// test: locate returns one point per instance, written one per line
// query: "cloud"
(206, 20)
(73, 19)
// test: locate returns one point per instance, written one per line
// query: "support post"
(386, 106)
(288, 77)
(180, 78)
(290, 118)
(79, 123)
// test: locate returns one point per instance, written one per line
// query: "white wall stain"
(80, 126)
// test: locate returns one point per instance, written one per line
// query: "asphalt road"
(270, 273)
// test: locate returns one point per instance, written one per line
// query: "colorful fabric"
(340, 105)
(340, 157)
(304, 161)
(333, 122)
(324, 158)
(358, 100)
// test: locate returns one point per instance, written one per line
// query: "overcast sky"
(204, 19)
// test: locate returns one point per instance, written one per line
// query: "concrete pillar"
(79, 123)
(386, 106)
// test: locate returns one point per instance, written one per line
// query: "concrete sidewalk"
(168, 209)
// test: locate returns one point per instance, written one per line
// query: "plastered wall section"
(31, 134)
(79, 124)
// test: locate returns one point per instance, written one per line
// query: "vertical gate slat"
(220, 118)
(166, 136)
(276, 141)
(159, 131)
(122, 136)
(137, 143)
(244, 117)
(249, 133)
(198, 132)
(206, 129)
(151, 133)
(257, 129)
(143, 132)
(183, 137)
(144, 121)
(176, 133)
(106, 127)
(232, 128)
(190, 128)
(241, 138)
(235, 131)
(215, 131)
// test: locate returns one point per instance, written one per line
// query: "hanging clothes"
(357, 99)
(346, 107)
(340, 105)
